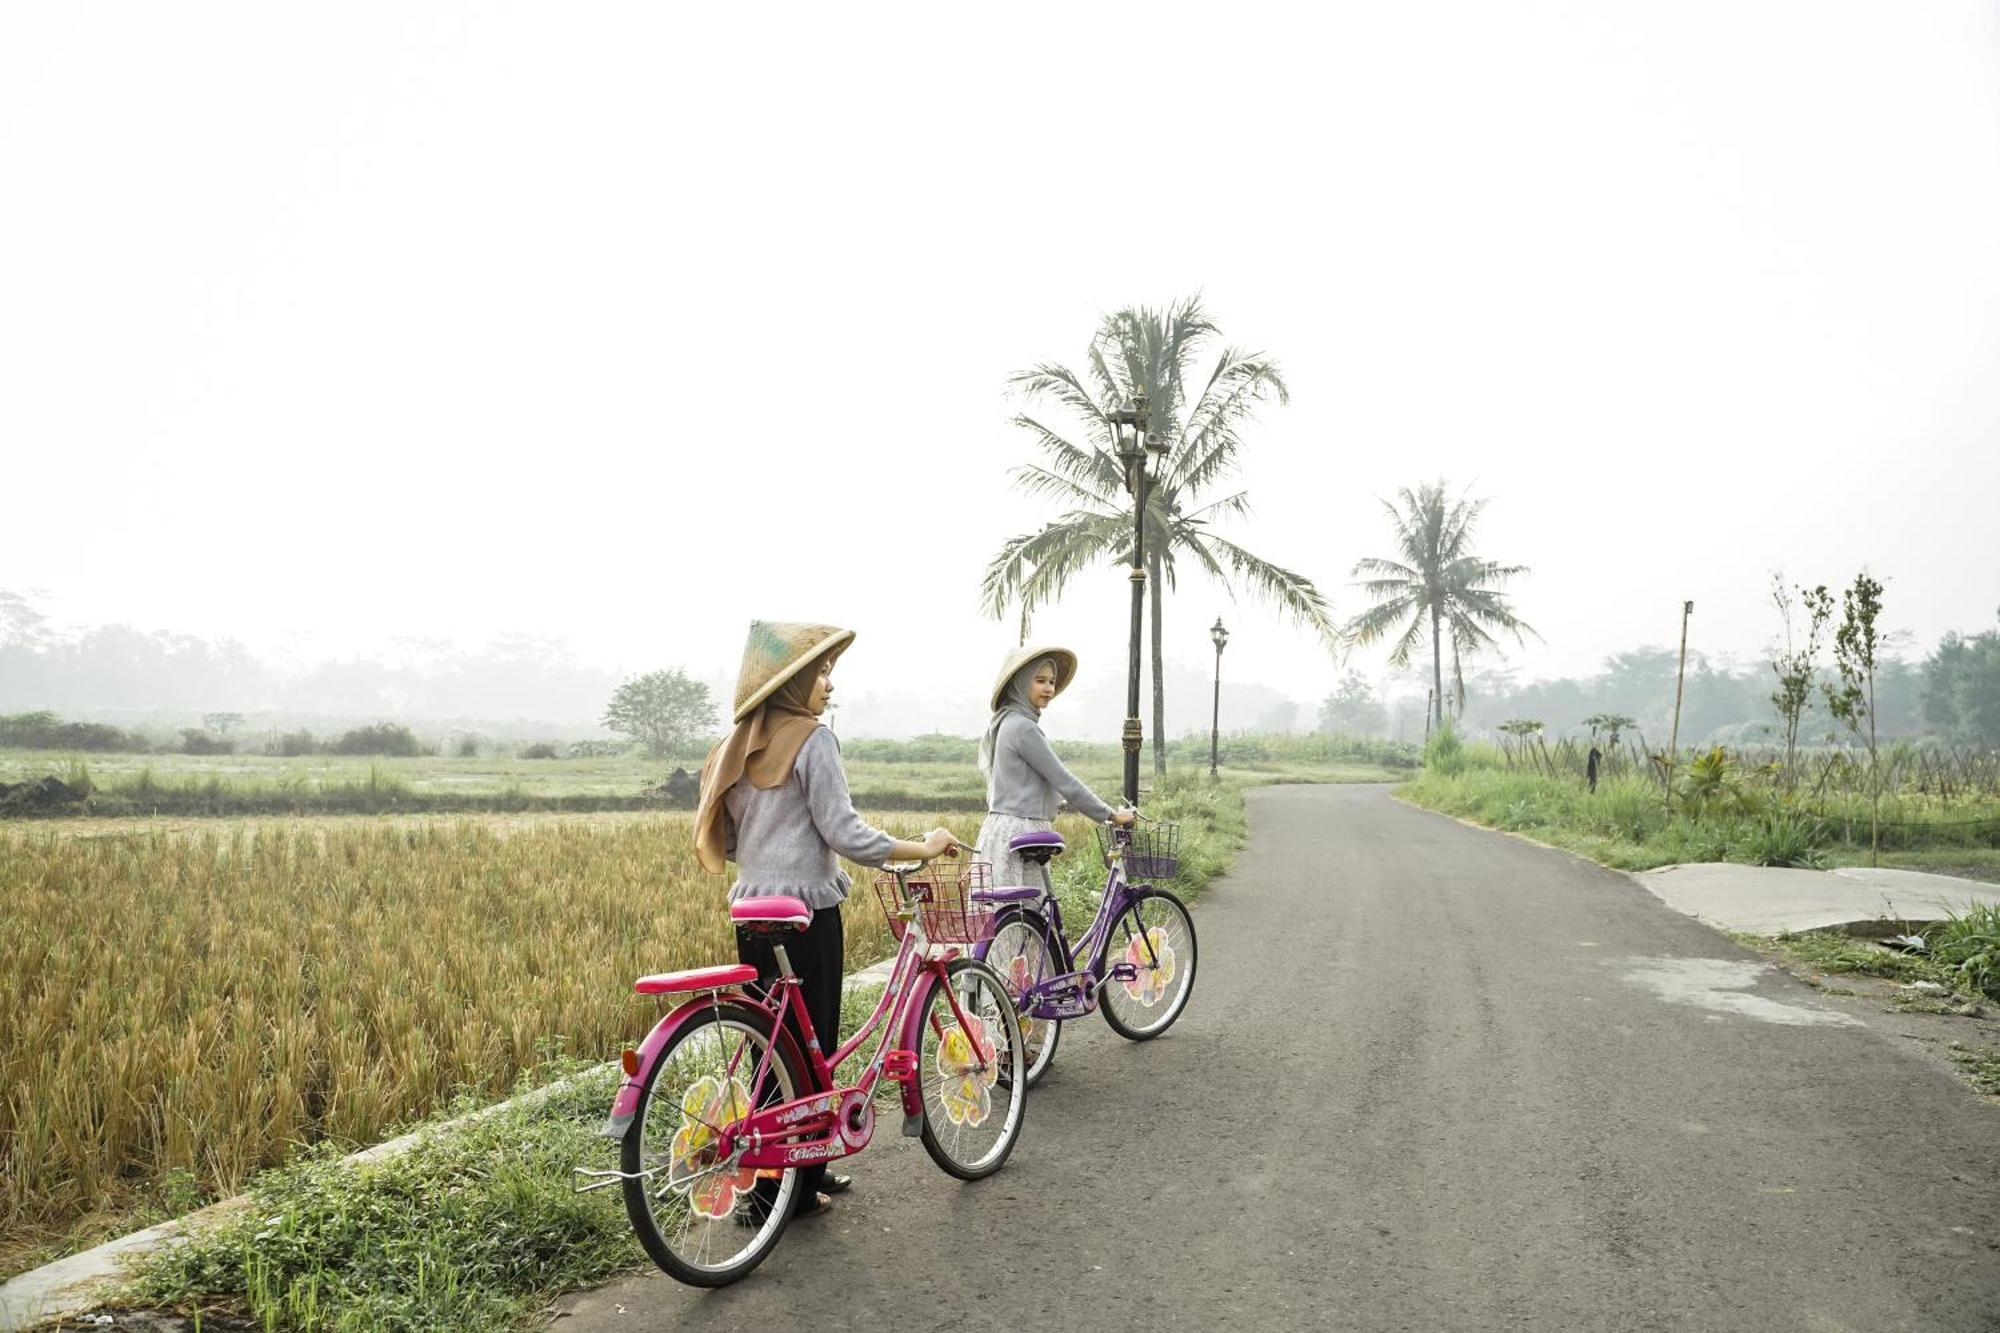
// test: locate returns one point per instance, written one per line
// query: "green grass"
(1831, 951)
(1982, 1068)
(1625, 825)
(473, 1229)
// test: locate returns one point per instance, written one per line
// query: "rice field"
(184, 1005)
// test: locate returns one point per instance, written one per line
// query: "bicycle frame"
(829, 1121)
(1095, 944)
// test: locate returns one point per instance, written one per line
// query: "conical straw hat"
(778, 650)
(1019, 657)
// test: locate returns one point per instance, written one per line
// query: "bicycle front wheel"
(1022, 951)
(1156, 936)
(971, 1070)
(703, 1219)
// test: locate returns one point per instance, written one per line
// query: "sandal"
(832, 1184)
(813, 1207)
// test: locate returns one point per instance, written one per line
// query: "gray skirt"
(1009, 869)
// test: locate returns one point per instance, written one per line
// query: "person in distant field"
(774, 799)
(1025, 782)
(1590, 765)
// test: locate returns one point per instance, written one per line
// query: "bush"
(1786, 837)
(598, 749)
(1444, 753)
(1971, 945)
(292, 744)
(196, 741)
(468, 747)
(539, 750)
(383, 738)
(46, 731)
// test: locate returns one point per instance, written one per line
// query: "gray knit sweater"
(783, 839)
(1028, 780)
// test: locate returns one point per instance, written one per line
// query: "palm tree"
(1439, 581)
(1150, 352)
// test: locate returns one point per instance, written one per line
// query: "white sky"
(321, 326)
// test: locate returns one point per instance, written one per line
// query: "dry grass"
(189, 1006)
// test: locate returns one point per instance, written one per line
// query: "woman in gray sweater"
(774, 800)
(1025, 782)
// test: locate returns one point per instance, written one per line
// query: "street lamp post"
(1221, 637)
(1135, 441)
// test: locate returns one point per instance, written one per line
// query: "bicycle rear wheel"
(1156, 936)
(699, 1217)
(971, 1070)
(1024, 954)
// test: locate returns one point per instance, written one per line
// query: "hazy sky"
(321, 326)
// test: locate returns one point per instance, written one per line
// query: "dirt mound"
(49, 795)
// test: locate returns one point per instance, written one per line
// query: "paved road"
(1430, 1078)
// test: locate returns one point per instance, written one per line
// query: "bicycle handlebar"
(910, 867)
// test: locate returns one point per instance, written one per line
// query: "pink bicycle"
(720, 1106)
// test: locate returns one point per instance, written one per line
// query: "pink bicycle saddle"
(771, 912)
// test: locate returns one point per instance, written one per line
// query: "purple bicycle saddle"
(1038, 838)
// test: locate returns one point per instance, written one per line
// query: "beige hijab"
(762, 747)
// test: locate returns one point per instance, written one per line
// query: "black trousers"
(818, 956)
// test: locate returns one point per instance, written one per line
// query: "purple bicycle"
(1135, 962)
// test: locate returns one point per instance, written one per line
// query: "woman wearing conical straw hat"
(774, 799)
(1024, 780)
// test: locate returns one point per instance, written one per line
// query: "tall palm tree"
(1150, 352)
(1439, 582)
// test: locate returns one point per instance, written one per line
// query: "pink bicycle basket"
(943, 894)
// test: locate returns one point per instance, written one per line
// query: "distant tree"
(1436, 582)
(21, 622)
(1352, 708)
(1856, 647)
(221, 723)
(1961, 689)
(1611, 724)
(666, 711)
(1794, 662)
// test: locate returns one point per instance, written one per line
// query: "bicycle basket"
(1152, 850)
(943, 899)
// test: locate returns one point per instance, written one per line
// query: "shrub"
(539, 750)
(1786, 837)
(292, 744)
(468, 747)
(598, 749)
(46, 731)
(1444, 753)
(1971, 944)
(383, 738)
(196, 741)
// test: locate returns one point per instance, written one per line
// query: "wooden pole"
(1680, 681)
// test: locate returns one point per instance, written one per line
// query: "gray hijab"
(1014, 700)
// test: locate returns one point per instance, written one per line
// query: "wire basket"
(1152, 850)
(943, 896)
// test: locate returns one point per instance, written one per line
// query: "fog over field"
(570, 340)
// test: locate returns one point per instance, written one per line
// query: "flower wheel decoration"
(967, 1071)
(1019, 977)
(695, 1165)
(1152, 960)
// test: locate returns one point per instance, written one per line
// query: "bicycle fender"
(911, 1039)
(625, 1107)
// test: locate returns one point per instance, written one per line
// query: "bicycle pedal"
(1124, 972)
(900, 1066)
